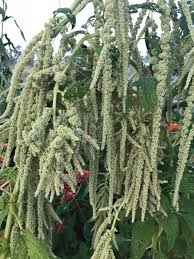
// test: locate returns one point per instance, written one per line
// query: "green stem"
(56, 89)
(116, 217)
(10, 214)
(10, 218)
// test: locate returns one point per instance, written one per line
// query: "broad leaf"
(187, 184)
(147, 92)
(160, 255)
(189, 219)
(141, 237)
(78, 90)
(171, 229)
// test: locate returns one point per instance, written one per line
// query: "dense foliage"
(100, 147)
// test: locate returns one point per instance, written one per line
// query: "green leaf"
(160, 255)
(28, 246)
(166, 205)
(141, 237)
(189, 219)
(171, 230)
(147, 6)
(187, 206)
(21, 32)
(2, 12)
(68, 12)
(187, 184)
(36, 249)
(147, 92)
(183, 25)
(78, 90)
(3, 210)
(4, 249)
(180, 248)
(20, 251)
(187, 235)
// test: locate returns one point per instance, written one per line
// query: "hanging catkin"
(162, 76)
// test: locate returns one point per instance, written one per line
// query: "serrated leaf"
(142, 233)
(68, 12)
(171, 230)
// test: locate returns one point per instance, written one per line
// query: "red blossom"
(68, 194)
(66, 187)
(173, 127)
(83, 178)
(59, 227)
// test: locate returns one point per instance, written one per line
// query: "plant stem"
(10, 217)
(10, 214)
(116, 217)
(56, 89)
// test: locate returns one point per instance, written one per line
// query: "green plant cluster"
(95, 104)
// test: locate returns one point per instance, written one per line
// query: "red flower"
(1, 160)
(68, 194)
(66, 187)
(173, 127)
(59, 227)
(83, 178)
